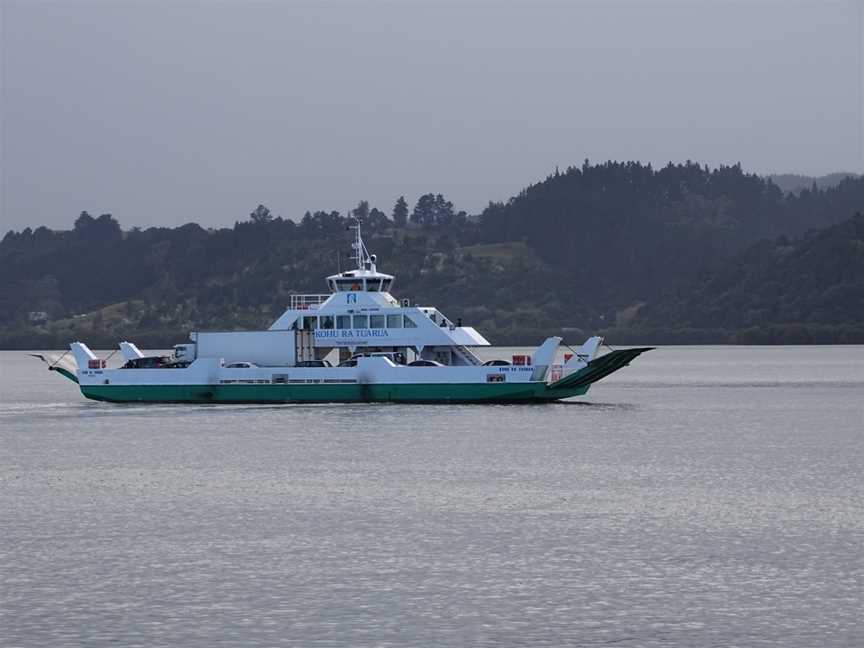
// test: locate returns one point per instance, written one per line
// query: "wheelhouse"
(355, 282)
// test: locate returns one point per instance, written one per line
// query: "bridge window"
(385, 285)
(373, 285)
(394, 321)
(361, 321)
(326, 321)
(409, 323)
(343, 321)
(347, 285)
(376, 321)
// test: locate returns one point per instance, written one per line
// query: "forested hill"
(628, 232)
(794, 291)
(646, 255)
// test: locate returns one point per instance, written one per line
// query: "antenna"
(361, 254)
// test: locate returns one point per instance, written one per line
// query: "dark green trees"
(400, 212)
(261, 215)
(651, 251)
(432, 210)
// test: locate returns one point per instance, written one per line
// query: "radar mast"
(360, 254)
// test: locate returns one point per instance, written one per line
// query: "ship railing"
(556, 373)
(307, 302)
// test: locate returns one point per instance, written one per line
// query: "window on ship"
(394, 321)
(361, 321)
(347, 285)
(373, 285)
(325, 322)
(376, 321)
(409, 323)
(343, 321)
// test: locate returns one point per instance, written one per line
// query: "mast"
(360, 254)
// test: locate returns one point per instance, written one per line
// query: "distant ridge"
(678, 254)
(795, 183)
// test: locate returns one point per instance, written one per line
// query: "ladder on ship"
(466, 355)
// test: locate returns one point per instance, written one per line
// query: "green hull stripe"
(64, 372)
(598, 369)
(420, 393)
(573, 385)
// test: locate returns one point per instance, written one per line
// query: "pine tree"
(443, 211)
(377, 220)
(361, 211)
(424, 210)
(400, 212)
(261, 215)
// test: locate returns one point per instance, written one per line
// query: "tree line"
(678, 253)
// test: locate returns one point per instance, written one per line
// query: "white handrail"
(307, 302)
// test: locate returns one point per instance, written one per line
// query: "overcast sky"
(170, 112)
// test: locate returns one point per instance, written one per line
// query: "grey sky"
(170, 112)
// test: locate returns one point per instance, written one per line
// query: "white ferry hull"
(310, 387)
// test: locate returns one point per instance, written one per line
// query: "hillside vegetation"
(795, 183)
(678, 254)
(793, 291)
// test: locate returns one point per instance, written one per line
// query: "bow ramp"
(578, 382)
(62, 364)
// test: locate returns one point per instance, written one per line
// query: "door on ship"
(304, 345)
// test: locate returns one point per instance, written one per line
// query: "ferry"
(356, 343)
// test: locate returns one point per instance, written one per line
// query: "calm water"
(705, 496)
